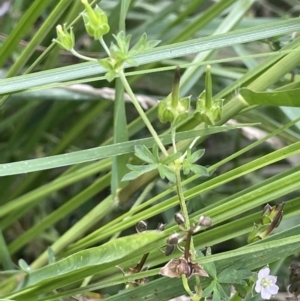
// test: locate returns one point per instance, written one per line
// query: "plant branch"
(142, 113)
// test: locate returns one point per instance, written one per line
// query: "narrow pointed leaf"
(142, 152)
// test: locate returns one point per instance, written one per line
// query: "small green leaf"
(138, 170)
(232, 275)
(152, 43)
(199, 170)
(155, 153)
(241, 290)
(223, 290)
(24, 265)
(130, 176)
(166, 172)
(110, 76)
(142, 168)
(197, 155)
(209, 289)
(216, 293)
(143, 45)
(210, 267)
(142, 152)
(171, 158)
(105, 63)
(140, 45)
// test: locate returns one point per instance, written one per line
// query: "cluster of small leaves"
(189, 165)
(154, 162)
(121, 53)
(222, 281)
(164, 166)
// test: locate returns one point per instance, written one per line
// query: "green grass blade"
(158, 54)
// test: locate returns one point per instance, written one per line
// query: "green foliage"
(154, 162)
(59, 219)
(189, 166)
(220, 283)
(121, 54)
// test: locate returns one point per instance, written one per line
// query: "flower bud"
(265, 218)
(170, 249)
(95, 21)
(179, 218)
(277, 214)
(267, 209)
(160, 227)
(270, 219)
(173, 239)
(64, 38)
(174, 109)
(204, 221)
(207, 109)
(141, 226)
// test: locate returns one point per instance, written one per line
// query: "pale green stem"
(136, 104)
(104, 46)
(182, 203)
(173, 134)
(190, 147)
(83, 57)
(186, 285)
(142, 113)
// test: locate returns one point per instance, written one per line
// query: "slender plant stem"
(173, 134)
(142, 113)
(83, 57)
(142, 262)
(186, 285)
(187, 224)
(136, 103)
(182, 203)
(104, 46)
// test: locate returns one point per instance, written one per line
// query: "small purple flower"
(265, 284)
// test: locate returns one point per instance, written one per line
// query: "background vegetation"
(66, 136)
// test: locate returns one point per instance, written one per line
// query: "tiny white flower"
(265, 284)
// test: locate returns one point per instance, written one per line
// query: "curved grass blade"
(287, 98)
(158, 54)
(88, 262)
(102, 152)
